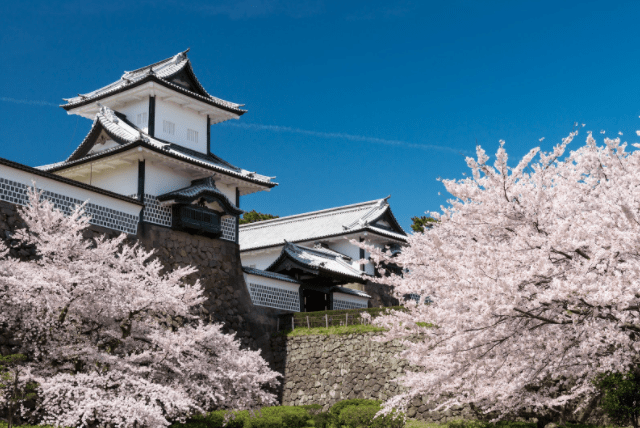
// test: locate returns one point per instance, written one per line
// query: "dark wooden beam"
(141, 181)
(361, 254)
(237, 205)
(208, 135)
(152, 116)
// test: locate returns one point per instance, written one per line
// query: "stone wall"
(325, 369)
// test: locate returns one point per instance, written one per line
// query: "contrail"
(343, 136)
(288, 129)
(29, 102)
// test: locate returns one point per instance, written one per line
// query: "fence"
(329, 318)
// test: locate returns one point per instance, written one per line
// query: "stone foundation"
(326, 369)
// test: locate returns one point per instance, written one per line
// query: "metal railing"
(328, 319)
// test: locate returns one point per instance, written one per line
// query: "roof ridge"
(302, 215)
(159, 62)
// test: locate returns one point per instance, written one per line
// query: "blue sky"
(348, 101)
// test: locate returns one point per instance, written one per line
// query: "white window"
(141, 119)
(192, 135)
(168, 127)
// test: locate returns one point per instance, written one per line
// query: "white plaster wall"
(228, 191)
(160, 179)
(122, 180)
(132, 110)
(347, 248)
(184, 119)
(261, 260)
(51, 185)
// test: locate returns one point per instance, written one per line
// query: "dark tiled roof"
(129, 136)
(160, 72)
(319, 259)
(205, 186)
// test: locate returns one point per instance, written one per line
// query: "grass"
(413, 423)
(341, 329)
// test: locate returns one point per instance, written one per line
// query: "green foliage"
(312, 408)
(322, 420)
(15, 390)
(280, 417)
(216, 420)
(254, 216)
(363, 416)
(267, 417)
(335, 318)
(422, 223)
(621, 397)
(343, 329)
(337, 408)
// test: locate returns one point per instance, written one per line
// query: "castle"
(146, 166)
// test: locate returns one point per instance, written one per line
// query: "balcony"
(198, 220)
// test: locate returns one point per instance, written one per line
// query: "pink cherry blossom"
(534, 275)
(89, 314)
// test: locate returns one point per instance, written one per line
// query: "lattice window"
(16, 193)
(229, 228)
(153, 212)
(346, 304)
(141, 120)
(192, 135)
(168, 127)
(273, 297)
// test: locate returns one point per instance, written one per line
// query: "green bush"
(279, 417)
(313, 409)
(322, 420)
(215, 420)
(336, 409)
(364, 417)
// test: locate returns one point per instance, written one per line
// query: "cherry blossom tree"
(90, 315)
(534, 275)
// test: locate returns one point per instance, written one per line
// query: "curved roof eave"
(140, 143)
(153, 78)
(370, 229)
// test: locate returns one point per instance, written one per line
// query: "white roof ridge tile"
(301, 216)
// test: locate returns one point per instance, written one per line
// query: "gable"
(103, 142)
(388, 222)
(184, 80)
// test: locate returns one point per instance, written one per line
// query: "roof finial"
(107, 113)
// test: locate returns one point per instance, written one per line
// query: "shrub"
(337, 408)
(621, 398)
(313, 409)
(279, 417)
(215, 420)
(364, 417)
(322, 420)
